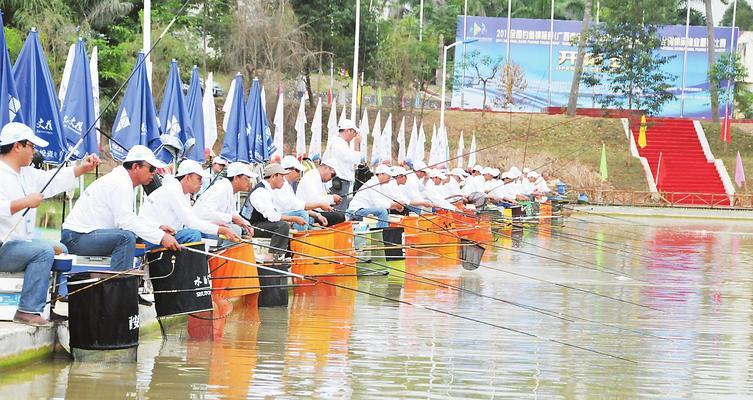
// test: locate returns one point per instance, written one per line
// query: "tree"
(513, 80)
(728, 69)
(714, 93)
(485, 69)
(625, 54)
(572, 102)
(541, 9)
(743, 18)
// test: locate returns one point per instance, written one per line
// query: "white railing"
(729, 188)
(704, 141)
(634, 151)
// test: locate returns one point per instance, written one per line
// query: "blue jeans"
(117, 243)
(188, 236)
(35, 258)
(299, 213)
(380, 214)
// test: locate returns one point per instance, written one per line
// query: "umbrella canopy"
(235, 145)
(196, 116)
(78, 106)
(260, 140)
(177, 133)
(8, 92)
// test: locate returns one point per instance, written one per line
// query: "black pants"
(278, 232)
(333, 217)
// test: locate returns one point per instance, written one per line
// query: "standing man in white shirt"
(264, 215)
(217, 204)
(345, 161)
(170, 205)
(218, 165)
(22, 185)
(311, 190)
(103, 221)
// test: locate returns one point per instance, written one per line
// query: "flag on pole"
(38, 100)
(177, 133)
(417, 101)
(359, 95)
(8, 92)
(263, 101)
(661, 171)
(67, 72)
(279, 122)
(420, 145)
(472, 152)
(642, 132)
(739, 171)
(194, 104)
(343, 115)
(433, 146)
(210, 118)
(379, 97)
(461, 150)
(725, 135)
(228, 103)
(261, 144)
(136, 121)
(315, 146)
(78, 105)
(300, 129)
(603, 165)
(443, 147)
(364, 133)
(329, 97)
(376, 134)
(94, 69)
(385, 145)
(410, 154)
(331, 125)
(401, 142)
(402, 103)
(235, 146)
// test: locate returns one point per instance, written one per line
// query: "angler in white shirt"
(286, 200)
(22, 190)
(415, 189)
(312, 191)
(435, 191)
(345, 160)
(217, 204)
(170, 205)
(474, 183)
(370, 200)
(103, 221)
(218, 165)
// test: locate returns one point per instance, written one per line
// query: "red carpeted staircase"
(687, 176)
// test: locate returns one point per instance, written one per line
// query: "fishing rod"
(417, 305)
(73, 149)
(433, 282)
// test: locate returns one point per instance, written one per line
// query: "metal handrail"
(667, 199)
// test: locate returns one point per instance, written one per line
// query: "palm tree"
(99, 13)
(541, 9)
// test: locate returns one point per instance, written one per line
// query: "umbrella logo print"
(173, 127)
(123, 122)
(14, 106)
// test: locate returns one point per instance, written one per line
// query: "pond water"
(602, 308)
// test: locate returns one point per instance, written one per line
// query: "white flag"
(433, 147)
(421, 144)
(443, 147)
(94, 68)
(300, 129)
(364, 129)
(279, 123)
(472, 152)
(263, 101)
(210, 116)
(67, 73)
(410, 154)
(331, 124)
(401, 142)
(376, 133)
(461, 150)
(315, 147)
(385, 146)
(228, 103)
(343, 116)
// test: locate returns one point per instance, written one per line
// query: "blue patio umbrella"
(39, 100)
(136, 121)
(260, 138)
(8, 92)
(177, 133)
(78, 106)
(196, 116)
(235, 146)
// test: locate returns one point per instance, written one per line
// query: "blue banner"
(136, 122)
(78, 106)
(39, 100)
(529, 42)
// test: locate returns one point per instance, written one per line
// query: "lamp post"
(444, 74)
(355, 63)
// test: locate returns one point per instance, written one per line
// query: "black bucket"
(393, 237)
(104, 316)
(180, 281)
(272, 294)
(470, 254)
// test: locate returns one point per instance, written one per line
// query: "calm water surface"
(688, 329)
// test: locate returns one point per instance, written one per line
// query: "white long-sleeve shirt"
(311, 189)
(395, 192)
(437, 196)
(286, 200)
(168, 205)
(262, 200)
(18, 185)
(217, 204)
(369, 196)
(108, 203)
(473, 184)
(414, 189)
(344, 158)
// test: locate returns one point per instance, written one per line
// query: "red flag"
(661, 171)
(329, 96)
(279, 88)
(724, 134)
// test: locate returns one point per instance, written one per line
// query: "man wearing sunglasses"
(19, 199)
(103, 221)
